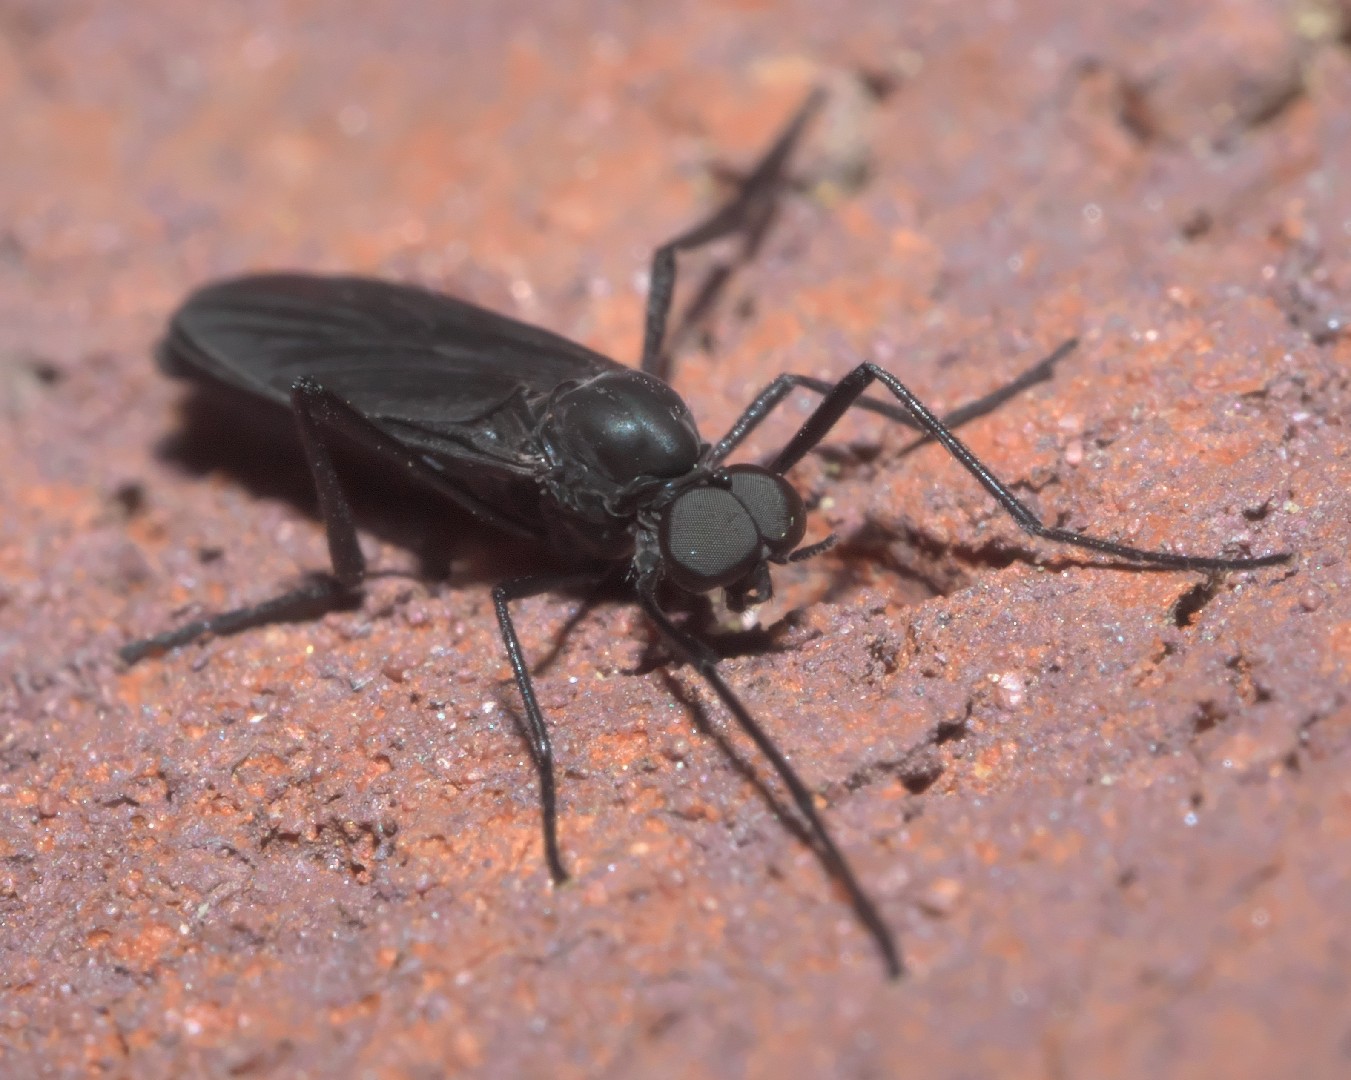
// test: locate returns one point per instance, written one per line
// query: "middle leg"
(749, 210)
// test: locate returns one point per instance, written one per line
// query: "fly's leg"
(773, 395)
(536, 732)
(846, 393)
(319, 595)
(750, 211)
(703, 661)
(320, 416)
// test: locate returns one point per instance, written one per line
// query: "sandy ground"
(1107, 813)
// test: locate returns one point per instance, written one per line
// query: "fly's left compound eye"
(708, 539)
(773, 504)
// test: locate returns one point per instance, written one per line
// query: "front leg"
(702, 659)
(773, 395)
(846, 393)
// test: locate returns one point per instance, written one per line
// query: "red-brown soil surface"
(1107, 812)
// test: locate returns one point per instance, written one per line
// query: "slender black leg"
(749, 210)
(316, 597)
(773, 395)
(536, 732)
(832, 858)
(321, 415)
(846, 393)
(983, 406)
(317, 414)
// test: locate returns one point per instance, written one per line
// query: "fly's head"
(724, 532)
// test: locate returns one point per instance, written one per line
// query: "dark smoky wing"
(397, 353)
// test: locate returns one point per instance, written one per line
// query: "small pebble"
(941, 897)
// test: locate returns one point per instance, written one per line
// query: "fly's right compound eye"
(773, 504)
(708, 540)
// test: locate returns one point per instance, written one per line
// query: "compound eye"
(773, 505)
(708, 539)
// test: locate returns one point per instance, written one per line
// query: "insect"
(545, 439)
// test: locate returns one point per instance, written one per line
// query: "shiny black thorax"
(613, 447)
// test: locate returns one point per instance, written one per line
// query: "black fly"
(543, 438)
